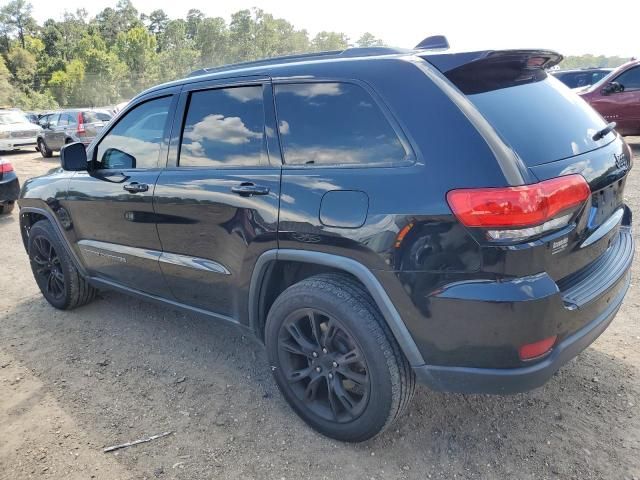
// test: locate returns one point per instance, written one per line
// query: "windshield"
(7, 118)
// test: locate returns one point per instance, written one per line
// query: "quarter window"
(333, 124)
(136, 139)
(224, 127)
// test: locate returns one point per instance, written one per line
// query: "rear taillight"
(5, 166)
(80, 128)
(520, 212)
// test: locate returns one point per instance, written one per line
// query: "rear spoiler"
(482, 71)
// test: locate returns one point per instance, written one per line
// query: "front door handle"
(135, 187)
(246, 189)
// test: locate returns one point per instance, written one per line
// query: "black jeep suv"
(374, 216)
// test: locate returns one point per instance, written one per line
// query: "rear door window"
(224, 127)
(334, 123)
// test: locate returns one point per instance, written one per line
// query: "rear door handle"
(135, 187)
(246, 189)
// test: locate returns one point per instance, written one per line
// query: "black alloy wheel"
(47, 268)
(324, 365)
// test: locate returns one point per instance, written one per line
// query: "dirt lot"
(120, 369)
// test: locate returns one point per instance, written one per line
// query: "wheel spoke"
(352, 356)
(343, 397)
(59, 284)
(58, 274)
(297, 375)
(329, 334)
(291, 348)
(333, 399)
(315, 327)
(300, 338)
(359, 378)
(311, 391)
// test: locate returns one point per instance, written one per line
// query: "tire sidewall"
(377, 411)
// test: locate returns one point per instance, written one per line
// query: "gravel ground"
(119, 369)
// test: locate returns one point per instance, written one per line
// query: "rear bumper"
(577, 310)
(9, 188)
(515, 380)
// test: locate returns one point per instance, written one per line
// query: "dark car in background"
(617, 98)
(9, 186)
(375, 216)
(67, 126)
(582, 77)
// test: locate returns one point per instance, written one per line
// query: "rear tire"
(54, 272)
(7, 208)
(43, 149)
(335, 360)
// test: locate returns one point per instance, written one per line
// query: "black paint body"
(465, 302)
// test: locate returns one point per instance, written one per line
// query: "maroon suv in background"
(617, 98)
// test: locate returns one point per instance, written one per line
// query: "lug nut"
(318, 369)
(324, 350)
(330, 376)
(315, 354)
(334, 364)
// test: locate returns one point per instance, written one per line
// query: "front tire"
(335, 360)
(56, 275)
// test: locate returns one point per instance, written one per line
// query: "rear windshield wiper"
(608, 129)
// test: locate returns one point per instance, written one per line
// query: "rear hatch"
(92, 122)
(553, 132)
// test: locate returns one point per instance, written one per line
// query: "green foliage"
(83, 61)
(368, 40)
(591, 61)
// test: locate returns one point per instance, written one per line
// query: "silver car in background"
(67, 126)
(16, 131)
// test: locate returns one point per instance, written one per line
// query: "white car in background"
(16, 131)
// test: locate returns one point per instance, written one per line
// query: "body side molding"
(362, 273)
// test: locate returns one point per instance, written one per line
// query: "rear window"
(90, 117)
(543, 121)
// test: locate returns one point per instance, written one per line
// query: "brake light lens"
(522, 206)
(5, 166)
(531, 351)
(80, 128)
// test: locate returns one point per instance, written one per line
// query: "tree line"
(101, 60)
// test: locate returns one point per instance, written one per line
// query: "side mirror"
(612, 87)
(73, 157)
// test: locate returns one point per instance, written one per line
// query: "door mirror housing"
(612, 87)
(73, 157)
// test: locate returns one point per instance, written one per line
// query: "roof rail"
(347, 53)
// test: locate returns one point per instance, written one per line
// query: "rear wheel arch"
(268, 281)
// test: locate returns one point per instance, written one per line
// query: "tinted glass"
(630, 79)
(334, 123)
(89, 117)
(224, 127)
(136, 139)
(543, 121)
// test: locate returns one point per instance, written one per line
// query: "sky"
(568, 26)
